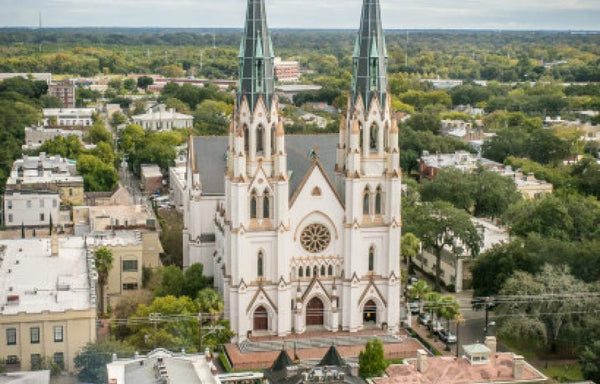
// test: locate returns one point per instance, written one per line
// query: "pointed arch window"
(300, 272)
(266, 205)
(253, 204)
(361, 142)
(273, 139)
(378, 193)
(374, 74)
(366, 201)
(260, 140)
(246, 138)
(322, 270)
(315, 271)
(371, 259)
(307, 271)
(330, 270)
(374, 138)
(260, 264)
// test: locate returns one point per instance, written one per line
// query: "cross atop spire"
(256, 57)
(370, 56)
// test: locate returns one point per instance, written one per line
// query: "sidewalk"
(435, 341)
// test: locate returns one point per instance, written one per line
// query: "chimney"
(490, 342)
(54, 245)
(518, 365)
(421, 361)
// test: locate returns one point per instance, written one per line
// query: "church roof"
(210, 159)
(257, 75)
(332, 358)
(370, 46)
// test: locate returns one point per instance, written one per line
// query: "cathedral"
(300, 232)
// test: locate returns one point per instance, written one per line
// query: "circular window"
(315, 238)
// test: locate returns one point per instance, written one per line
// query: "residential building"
(527, 185)
(162, 366)
(131, 233)
(162, 119)
(290, 90)
(480, 363)
(298, 236)
(316, 120)
(462, 130)
(454, 268)
(65, 91)
(36, 136)
(429, 164)
(41, 189)
(287, 71)
(48, 301)
(151, 178)
(68, 117)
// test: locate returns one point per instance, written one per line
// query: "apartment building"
(47, 301)
(68, 117)
(65, 91)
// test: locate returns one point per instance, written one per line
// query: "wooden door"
(314, 312)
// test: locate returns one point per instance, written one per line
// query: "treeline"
(501, 56)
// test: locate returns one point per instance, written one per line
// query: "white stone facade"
(163, 119)
(31, 209)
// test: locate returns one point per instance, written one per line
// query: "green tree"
(409, 248)
(542, 322)
(418, 291)
(104, 152)
(144, 82)
(117, 119)
(209, 301)
(131, 136)
(92, 359)
(104, 263)
(452, 185)
(590, 361)
(176, 327)
(439, 225)
(425, 121)
(98, 132)
(172, 282)
(195, 280)
(372, 361)
(130, 84)
(448, 309)
(97, 176)
(212, 117)
(545, 147)
(68, 147)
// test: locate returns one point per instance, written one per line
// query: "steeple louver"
(256, 58)
(370, 56)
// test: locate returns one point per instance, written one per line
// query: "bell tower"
(368, 159)
(256, 215)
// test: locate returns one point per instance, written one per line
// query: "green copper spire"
(370, 56)
(256, 57)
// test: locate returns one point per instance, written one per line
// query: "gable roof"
(316, 165)
(210, 158)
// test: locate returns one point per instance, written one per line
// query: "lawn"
(559, 371)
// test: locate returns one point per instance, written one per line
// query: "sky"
(396, 14)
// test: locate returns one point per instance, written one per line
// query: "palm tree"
(418, 291)
(409, 248)
(460, 320)
(209, 301)
(432, 303)
(448, 309)
(104, 263)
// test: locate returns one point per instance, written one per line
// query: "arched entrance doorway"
(370, 312)
(261, 319)
(314, 312)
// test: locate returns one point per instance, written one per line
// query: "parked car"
(414, 307)
(424, 318)
(412, 279)
(435, 327)
(447, 337)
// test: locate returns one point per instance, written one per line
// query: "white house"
(68, 117)
(162, 119)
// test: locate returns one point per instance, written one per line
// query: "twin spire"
(256, 58)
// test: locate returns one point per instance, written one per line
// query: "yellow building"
(48, 301)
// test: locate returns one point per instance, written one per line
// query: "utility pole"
(155, 319)
(200, 332)
(487, 311)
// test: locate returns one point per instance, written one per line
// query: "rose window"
(315, 238)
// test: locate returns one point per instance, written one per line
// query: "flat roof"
(44, 282)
